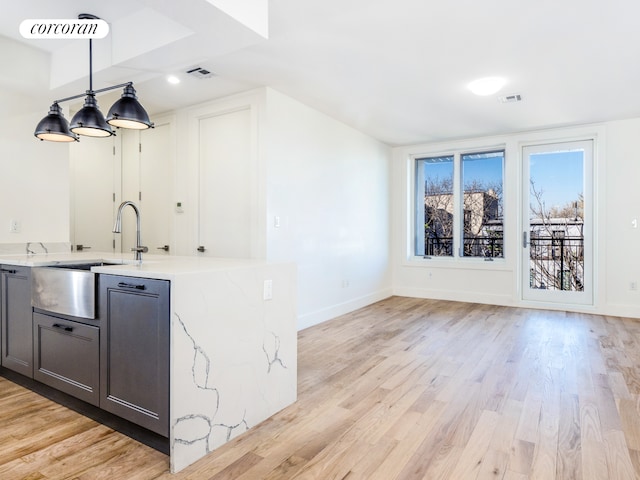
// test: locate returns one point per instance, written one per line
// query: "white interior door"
(557, 236)
(146, 181)
(227, 187)
(93, 186)
(130, 181)
(156, 188)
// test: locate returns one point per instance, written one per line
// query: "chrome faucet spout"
(117, 228)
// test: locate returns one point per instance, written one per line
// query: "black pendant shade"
(89, 120)
(54, 127)
(125, 113)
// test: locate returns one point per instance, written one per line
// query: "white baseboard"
(616, 310)
(470, 297)
(623, 310)
(314, 318)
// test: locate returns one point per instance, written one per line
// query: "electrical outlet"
(267, 290)
(14, 226)
(633, 286)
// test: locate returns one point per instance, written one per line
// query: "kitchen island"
(233, 341)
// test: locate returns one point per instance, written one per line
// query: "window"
(434, 206)
(482, 196)
(466, 216)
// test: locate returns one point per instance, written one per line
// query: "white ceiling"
(396, 70)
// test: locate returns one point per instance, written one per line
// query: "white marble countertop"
(163, 267)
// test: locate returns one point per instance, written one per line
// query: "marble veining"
(197, 428)
(271, 348)
(34, 248)
(201, 362)
(234, 356)
(202, 429)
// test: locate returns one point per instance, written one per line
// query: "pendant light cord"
(91, 65)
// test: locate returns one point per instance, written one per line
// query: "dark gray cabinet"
(15, 318)
(67, 356)
(134, 350)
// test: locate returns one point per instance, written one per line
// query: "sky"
(559, 175)
(486, 170)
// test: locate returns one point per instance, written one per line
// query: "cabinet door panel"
(134, 316)
(67, 356)
(17, 340)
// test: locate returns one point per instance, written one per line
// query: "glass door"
(557, 239)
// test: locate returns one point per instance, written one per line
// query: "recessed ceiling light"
(173, 79)
(486, 86)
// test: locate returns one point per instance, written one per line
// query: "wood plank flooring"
(403, 389)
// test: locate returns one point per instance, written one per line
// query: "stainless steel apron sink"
(65, 289)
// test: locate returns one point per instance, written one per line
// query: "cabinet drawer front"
(67, 356)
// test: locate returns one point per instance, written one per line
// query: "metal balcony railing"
(484, 246)
(555, 263)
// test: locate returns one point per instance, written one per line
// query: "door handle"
(525, 239)
(63, 327)
(132, 286)
(164, 247)
(201, 248)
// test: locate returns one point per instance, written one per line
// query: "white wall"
(617, 203)
(328, 186)
(327, 183)
(34, 182)
(621, 250)
(34, 175)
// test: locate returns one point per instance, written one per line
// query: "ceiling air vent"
(200, 72)
(512, 98)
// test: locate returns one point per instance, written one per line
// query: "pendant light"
(54, 127)
(127, 112)
(89, 120)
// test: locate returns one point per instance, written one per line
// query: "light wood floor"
(403, 389)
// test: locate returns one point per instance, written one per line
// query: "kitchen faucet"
(117, 228)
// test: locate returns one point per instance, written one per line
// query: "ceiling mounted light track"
(89, 121)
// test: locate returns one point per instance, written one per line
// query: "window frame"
(418, 216)
(458, 209)
(463, 202)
